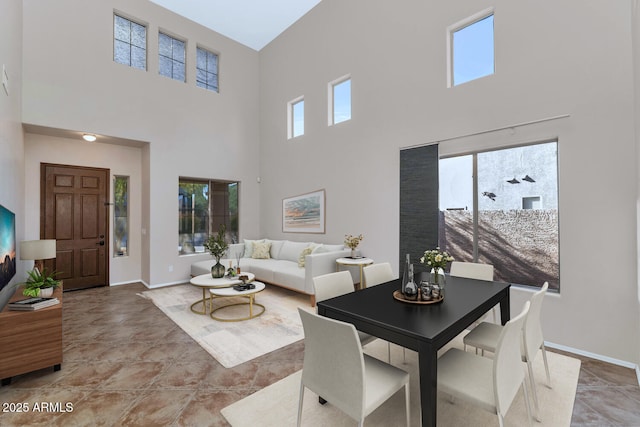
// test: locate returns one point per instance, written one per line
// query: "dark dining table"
(423, 328)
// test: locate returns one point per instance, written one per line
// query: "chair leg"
(300, 404)
(406, 404)
(500, 420)
(546, 365)
(532, 381)
(404, 355)
(526, 399)
(389, 351)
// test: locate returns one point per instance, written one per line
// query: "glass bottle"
(411, 289)
(405, 273)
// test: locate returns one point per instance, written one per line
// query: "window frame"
(233, 233)
(452, 29)
(217, 73)
(173, 38)
(291, 117)
(118, 14)
(331, 99)
(117, 251)
(475, 226)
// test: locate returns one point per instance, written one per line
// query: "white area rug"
(233, 343)
(277, 404)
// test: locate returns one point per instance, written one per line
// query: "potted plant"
(217, 246)
(40, 283)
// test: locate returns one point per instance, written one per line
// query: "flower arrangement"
(216, 244)
(352, 241)
(435, 258)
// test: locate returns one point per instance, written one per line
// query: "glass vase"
(218, 270)
(438, 281)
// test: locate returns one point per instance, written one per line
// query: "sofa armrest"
(319, 264)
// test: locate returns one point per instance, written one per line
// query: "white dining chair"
(491, 384)
(336, 369)
(333, 285)
(485, 337)
(376, 274)
(474, 270)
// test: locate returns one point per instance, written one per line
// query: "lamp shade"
(38, 249)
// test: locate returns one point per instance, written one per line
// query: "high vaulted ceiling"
(253, 23)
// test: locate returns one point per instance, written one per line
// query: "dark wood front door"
(73, 210)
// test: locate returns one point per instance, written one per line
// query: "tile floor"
(127, 364)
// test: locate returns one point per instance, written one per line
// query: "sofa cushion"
(261, 250)
(288, 274)
(291, 250)
(262, 268)
(276, 246)
(248, 247)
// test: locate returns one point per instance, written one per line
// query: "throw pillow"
(261, 250)
(303, 254)
(248, 247)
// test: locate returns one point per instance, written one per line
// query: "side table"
(359, 262)
(30, 340)
(249, 294)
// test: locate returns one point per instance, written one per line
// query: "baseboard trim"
(162, 285)
(126, 283)
(595, 356)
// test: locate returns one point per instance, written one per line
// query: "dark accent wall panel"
(419, 210)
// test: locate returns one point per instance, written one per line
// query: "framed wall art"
(304, 213)
(7, 245)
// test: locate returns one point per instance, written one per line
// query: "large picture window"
(507, 215)
(204, 205)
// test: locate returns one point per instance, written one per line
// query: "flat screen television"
(7, 246)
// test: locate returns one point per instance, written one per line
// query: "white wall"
(120, 160)
(546, 66)
(72, 83)
(11, 137)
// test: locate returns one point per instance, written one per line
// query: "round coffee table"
(205, 281)
(249, 294)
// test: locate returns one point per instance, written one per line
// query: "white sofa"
(286, 266)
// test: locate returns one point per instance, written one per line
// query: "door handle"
(101, 243)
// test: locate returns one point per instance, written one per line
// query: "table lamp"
(38, 250)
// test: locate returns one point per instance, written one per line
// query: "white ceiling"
(254, 23)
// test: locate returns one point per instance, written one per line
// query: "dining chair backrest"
(333, 365)
(533, 338)
(471, 270)
(507, 363)
(376, 274)
(332, 285)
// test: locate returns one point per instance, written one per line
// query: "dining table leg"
(505, 308)
(428, 364)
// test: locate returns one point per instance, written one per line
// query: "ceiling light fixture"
(89, 137)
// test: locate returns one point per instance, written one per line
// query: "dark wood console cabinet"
(30, 340)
